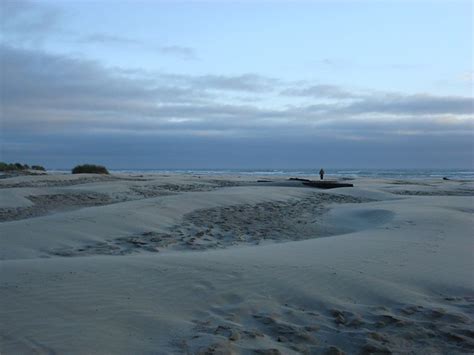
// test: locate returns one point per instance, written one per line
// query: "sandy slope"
(384, 270)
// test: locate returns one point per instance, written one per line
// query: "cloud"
(249, 83)
(246, 82)
(467, 77)
(321, 91)
(369, 102)
(412, 105)
(52, 91)
(28, 21)
(67, 150)
(104, 38)
(42, 93)
(186, 53)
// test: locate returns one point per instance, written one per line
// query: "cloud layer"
(45, 92)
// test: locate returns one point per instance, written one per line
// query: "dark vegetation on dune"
(19, 167)
(90, 169)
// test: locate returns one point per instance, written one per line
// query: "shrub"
(90, 169)
(38, 167)
(3, 166)
(9, 167)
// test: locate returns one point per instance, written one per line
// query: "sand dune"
(222, 266)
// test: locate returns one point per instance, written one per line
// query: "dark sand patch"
(61, 182)
(410, 182)
(68, 201)
(290, 328)
(458, 192)
(47, 204)
(213, 228)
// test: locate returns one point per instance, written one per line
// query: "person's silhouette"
(321, 174)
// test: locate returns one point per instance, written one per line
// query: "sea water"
(464, 174)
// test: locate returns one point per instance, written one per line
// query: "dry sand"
(176, 264)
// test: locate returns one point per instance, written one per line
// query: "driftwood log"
(298, 179)
(326, 184)
(322, 184)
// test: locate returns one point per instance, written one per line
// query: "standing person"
(321, 174)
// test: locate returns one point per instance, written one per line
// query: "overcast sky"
(249, 84)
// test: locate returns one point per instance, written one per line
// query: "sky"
(237, 84)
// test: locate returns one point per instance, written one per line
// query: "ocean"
(464, 174)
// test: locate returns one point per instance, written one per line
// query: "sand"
(176, 264)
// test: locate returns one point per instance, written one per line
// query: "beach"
(235, 264)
